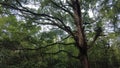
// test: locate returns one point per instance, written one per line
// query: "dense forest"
(59, 33)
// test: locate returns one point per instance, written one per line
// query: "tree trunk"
(83, 57)
(80, 38)
(84, 61)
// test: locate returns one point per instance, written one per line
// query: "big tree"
(83, 21)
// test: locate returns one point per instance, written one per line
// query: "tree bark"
(84, 61)
(83, 57)
(80, 38)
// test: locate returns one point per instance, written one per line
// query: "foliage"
(42, 37)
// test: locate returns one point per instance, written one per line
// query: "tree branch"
(61, 7)
(48, 45)
(27, 10)
(97, 34)
(24, 9)
(61, 26)
(45, 46)
(68, 53)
